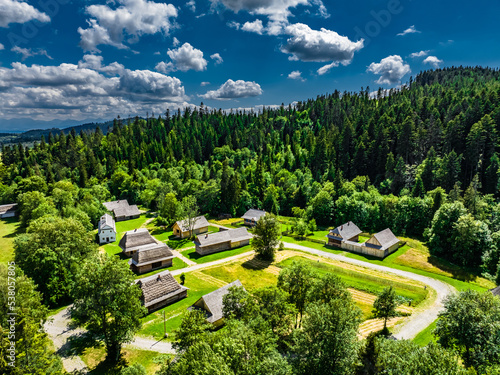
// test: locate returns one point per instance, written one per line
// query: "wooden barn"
(182, 228)
(385, 241)
(345, 232)
(136, 240)
(8, 210)
(252, 216)
(160, 290)
(212, 303)
(223, 240)
(151, 257)
(122, 210)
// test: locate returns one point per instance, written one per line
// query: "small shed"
(212, 303)
(384, 240)
(160, 290)
(151, 257)
(106, 229)
(345, 232)
(252, 216)
(135, 240)
(122, 210)
(8, 210)
(182, 228)
(223, 240)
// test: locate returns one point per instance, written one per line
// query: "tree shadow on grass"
(256, 264)
(77, 344)
(462, 274)
(109, 367)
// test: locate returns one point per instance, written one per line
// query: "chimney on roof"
(206, 235)
(158, 278)
(348, 223)
(342, 227)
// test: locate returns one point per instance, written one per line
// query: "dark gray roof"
(200, 222)
(253, 214)
(496, 291)
(152, 253)
(231, 235)
(159, 287)
(106, 221)
(346, 231)
(386, 238)
(115, 204)
(136, 239)
(122, 208)
(213, 301)
(7, 207)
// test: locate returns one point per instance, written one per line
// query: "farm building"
(385, 240)
(252, 216)
(212, 303)
(496, 291)
(8, 210)
(151, 257)
(223, 240)
(346, 232)
(160, 290)
(122, 210)
(182, 228)
(106, 229)
(136, 240)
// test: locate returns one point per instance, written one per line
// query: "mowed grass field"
(191, 254)
(9, 228)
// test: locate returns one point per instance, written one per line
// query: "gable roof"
(346, 231)
(231, 235)
(115, 204)
(386, 238)
(253, 214)
(122, 208)
(213, 301)
(106, 221)
(135, 239)
(8, 208)
(200, 222)
(152, 253)
(496, 291)
(159, 287)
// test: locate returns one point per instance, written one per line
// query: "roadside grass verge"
(9, 228)
(426, 336)
(191, 254)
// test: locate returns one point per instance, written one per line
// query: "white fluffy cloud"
(234, 90)
(254, 27)
(410, 30)
(77, 91)
(296, 74)
(131, 19)
(391, 69)
(28, 52)
(419, 54)
(217, 58)
(12, 11)
(184, 58)
(1, 46)
(323, 45)
(326, 68)
(191, 5)
(433, 61)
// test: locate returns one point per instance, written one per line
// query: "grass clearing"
(426, 336)
(191, 254)
(9, 229)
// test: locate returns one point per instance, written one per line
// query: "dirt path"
(421, 318)
(189, 262)
(210, 264)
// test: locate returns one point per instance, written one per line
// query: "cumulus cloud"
(1, 46)
(28, 52)
(296, 74)
(326, 68)
(323, 45)
(13, 11)
(254, 27)
(217, 58)
(391, 69)
(75, 91)
(191, 5)
(184, 58)
(131, 19)
(234, 90)
(175, 42)
(433, 61)
(419, 54)
(410, 30)
(234, 25)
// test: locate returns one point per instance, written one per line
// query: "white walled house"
(107, 229)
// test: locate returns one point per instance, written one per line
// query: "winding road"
(60, 331)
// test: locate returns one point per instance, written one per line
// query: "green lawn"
(153, 323)
(365, 282)
(125, 226)
(426, 336)
(191, 254)
(9, 228)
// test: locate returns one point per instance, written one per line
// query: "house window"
(156, 265)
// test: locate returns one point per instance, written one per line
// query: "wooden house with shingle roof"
(122, 210)
(495, 291)
(252, 216)
(182, 227)
(151, 257)
(160, 290)
(223, 240)
(212, 303)
(135, 240)
(384, 240)
(345, 232)
(8, 210)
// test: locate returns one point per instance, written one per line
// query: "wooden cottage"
(8, 210)
(223, 240)
(252, 216)
(136, 240)
(122, 210)
(182, 228)
(495, 291)
(385, 241)
(160, 290)
(151, 257)
(106, 229)
(212, 303)
(345, 232)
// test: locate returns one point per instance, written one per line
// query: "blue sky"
(64, 62)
